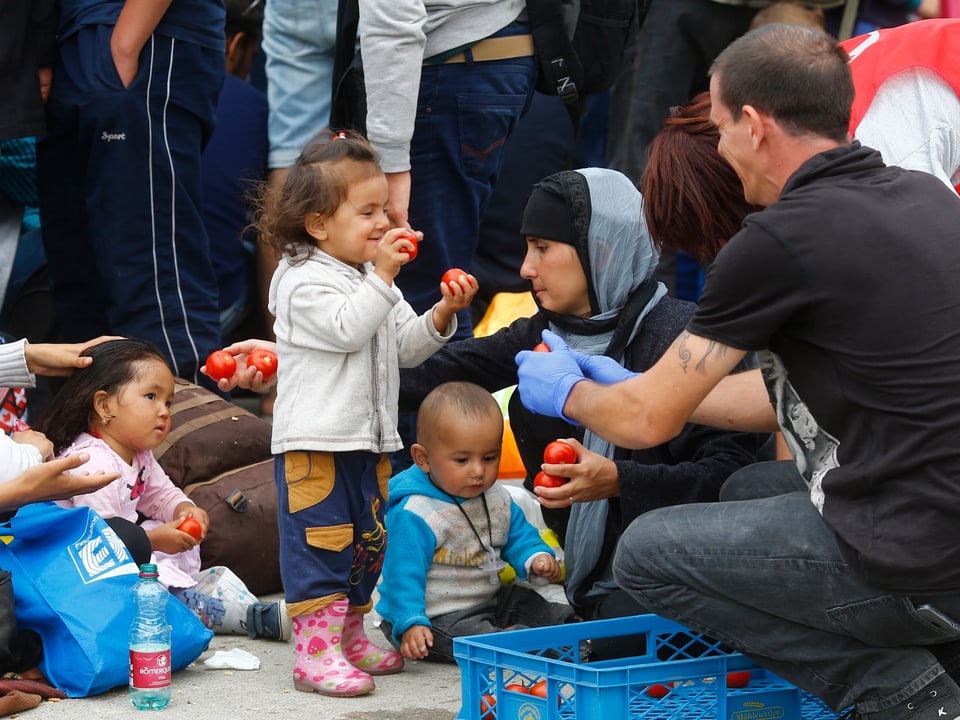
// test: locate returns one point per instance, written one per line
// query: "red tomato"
(559, 453)
(539, 688)
(263, 360)
(191, 527)
(488, 704)
(658, 691)
(220, 364)
(413, 240)
(452, 276)
(541, 347)
(738, 679)
(549, 481)
(517, 688)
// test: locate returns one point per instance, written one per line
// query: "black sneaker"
(269, 620)
(939, 700)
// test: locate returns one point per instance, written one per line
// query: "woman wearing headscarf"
(590, 263)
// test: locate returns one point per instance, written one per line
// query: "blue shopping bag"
(72, 577)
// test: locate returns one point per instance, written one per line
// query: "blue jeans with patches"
(330, 511)
(765, 575)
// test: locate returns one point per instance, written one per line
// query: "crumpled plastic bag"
(236, 659)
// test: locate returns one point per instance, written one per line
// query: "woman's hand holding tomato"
(246, 374)
(220, 365)
(416, 642)
(591, 477)
(265, 361)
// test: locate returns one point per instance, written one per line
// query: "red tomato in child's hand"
(559, 453)
(220, 364)
(541, 347)
(413, 240)
(191, 527)
(488, 703)
(549, 481)
(452, 277)
(263, 360)
(738, 679)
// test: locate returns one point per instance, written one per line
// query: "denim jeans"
(766, 576)
(465, 112)
(299, 37)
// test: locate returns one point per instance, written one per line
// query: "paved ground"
(423, 691)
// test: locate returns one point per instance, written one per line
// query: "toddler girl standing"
(343, 331)
(118, 410)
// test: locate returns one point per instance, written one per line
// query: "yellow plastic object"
(504, 308)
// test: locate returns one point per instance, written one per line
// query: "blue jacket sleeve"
(410, 547)
(523, 542)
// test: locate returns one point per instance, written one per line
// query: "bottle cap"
(148, 570)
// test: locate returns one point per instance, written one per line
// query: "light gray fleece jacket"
(342, 336)
(395, 37)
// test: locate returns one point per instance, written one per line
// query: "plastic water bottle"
(150, 668)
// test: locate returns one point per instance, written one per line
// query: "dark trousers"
(119, 180)
(514, 607)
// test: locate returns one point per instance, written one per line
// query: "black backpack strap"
(348, 105)
(348, 20)
(560, 70)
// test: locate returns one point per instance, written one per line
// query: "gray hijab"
(621, 257)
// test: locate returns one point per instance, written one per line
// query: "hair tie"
(340, 136)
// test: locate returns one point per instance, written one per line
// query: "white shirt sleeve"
(13, 366)
(16, 457)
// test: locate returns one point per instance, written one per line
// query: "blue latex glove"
(546, 379)
(603, 369)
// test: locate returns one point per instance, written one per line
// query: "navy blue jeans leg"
(330, 513)
(766, 576)
(465, 113)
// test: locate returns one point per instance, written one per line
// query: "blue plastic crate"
(676, 675)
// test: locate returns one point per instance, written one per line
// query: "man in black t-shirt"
(846, 286)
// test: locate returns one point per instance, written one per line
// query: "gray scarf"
(621, 258)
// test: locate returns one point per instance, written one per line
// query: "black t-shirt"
(850, 285)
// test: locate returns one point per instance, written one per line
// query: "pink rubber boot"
(364, 654)
(320, 665)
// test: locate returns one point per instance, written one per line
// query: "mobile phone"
(938, 618)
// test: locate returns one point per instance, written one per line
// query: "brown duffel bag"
(209, 436)
(242, 505)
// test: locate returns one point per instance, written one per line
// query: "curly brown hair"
(318, 182)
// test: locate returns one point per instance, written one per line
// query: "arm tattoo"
(686, 355)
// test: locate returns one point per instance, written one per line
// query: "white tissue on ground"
(235, 659)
